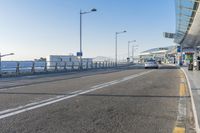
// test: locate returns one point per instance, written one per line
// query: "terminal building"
(188, 31)
(163, 54)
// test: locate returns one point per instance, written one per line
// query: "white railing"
(15, 68)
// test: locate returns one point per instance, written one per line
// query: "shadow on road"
(169, 67)
(93, 95)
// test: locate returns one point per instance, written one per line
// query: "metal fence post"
(92, 65)
(72, 67)
(33, 67)
(95, 65)
(86, 65)
(45, 67)
(65, 66)
(17, 69)
(99, 64)
(56, 67)
(80, 66)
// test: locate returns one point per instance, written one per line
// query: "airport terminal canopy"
(160, 50)
(187, 23)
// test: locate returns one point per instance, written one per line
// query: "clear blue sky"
(38, 28)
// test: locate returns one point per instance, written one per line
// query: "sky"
(38, 28)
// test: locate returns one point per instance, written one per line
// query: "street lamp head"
(121, 32)
(93, 10)
(131, 41)
(12, 53)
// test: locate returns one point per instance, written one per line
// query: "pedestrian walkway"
(193, 78)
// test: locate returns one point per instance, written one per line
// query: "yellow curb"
(182, 90)
(179, 130)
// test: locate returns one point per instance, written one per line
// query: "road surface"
(117, 101)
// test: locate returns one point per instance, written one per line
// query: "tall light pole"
(81, 52)
(0, 61)
(129, 48)
(133, 50)
(116, 35)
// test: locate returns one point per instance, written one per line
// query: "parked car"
(151, 64)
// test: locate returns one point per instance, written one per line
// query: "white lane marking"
(12, 88)
(28, 105)
(39, 102)
(103, 84)
(75, 92)
(43, 103)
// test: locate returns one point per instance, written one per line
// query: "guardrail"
(17, 68)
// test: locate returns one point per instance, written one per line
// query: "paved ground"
(121, 101)
(194, 79)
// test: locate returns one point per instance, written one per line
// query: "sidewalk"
(193, 78)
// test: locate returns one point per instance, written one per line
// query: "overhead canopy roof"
(187, 23)
(157, 50)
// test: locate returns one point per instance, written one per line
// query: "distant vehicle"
(151, 64)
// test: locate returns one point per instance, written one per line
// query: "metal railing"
(16, 68)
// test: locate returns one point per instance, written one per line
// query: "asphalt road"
(117, 101)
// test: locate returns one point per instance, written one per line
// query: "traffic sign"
(79, 54)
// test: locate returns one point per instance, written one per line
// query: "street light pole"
(0, 66)
(116, 49)
(80, 39)
(81, 51)
(0, 61)
(133, 50)
(116, 37)
(129, 48)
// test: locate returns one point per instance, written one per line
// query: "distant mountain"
(102, 58)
